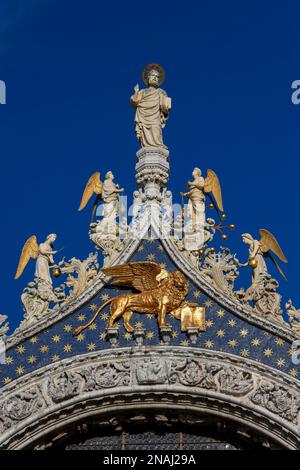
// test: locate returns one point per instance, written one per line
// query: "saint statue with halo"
(152, 107)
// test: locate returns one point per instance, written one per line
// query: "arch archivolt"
(161, 378)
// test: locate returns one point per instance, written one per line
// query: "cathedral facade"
(149, 345)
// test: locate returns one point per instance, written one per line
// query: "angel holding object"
(108, 192)
(259, 250)
(43, 253)
(198, 189)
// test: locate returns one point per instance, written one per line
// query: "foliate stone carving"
(20, 407)
(294, 316)
(36, 299)
(191, 373)
(264, 298)
(4, 327)
(221, 269)
(64, 386)
(105, 237)
(107, 375)
(80, 273)
(191, 255)
(278, 400)
(152, 371)
(235, 382)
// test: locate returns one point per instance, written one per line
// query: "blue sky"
(70, 68)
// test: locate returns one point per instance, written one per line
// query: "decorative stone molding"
(188, 379)
(152, 172)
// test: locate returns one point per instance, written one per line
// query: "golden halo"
(156, 67)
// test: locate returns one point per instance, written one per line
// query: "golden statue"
(108, 192)
(152, 107)
(198, 188)
(159, 292)
(43, 253)
(258, 251)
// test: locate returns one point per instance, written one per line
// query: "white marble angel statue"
(43, 253)
(258, 251)
(108, 192)
(152, 107)
(198, 189)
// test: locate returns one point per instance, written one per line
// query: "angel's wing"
(140, 275)
(30, 250)
(94, 185)
(269, 242)
(212, 184)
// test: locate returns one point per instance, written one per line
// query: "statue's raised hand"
(136, 89)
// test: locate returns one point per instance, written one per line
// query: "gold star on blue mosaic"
(293, 372)
(33, 340)
(220, 333)
(80, 337)
(67, 328)
(31, 359)
(150, 335)
(220, 313)
(280, 362)
(104, 297)
(245, 352)
(93, 307)
(20, 370)
(127, 336)
(244, 332)
(268, 352)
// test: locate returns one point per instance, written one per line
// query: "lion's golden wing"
(212, 184)
(269, 242)
(140, 275)
(30, 250)
(94, 185)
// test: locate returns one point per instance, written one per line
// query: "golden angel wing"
(140, 275)
(94, 185)
(269, 242)
(212, 184)
(30, 250)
